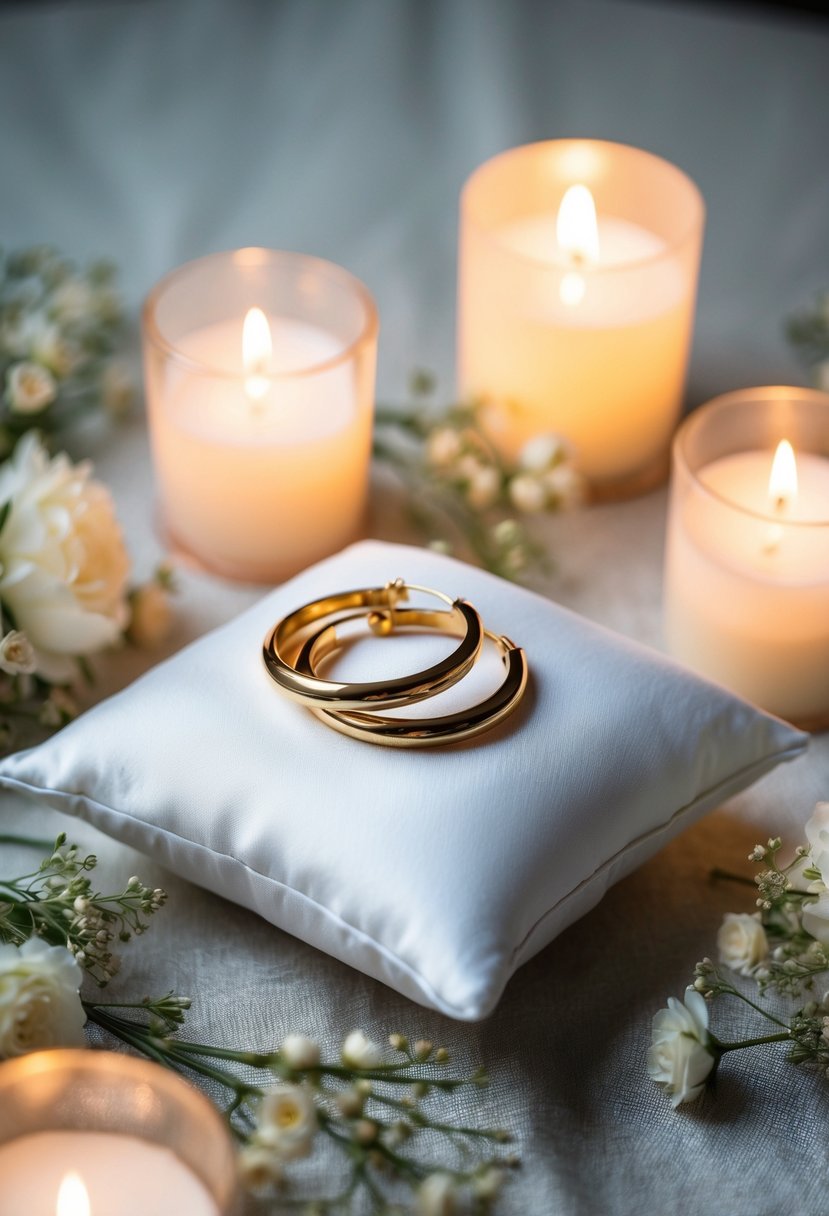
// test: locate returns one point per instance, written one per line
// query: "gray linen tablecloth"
(155, 132)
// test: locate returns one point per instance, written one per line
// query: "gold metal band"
(419, 732)
(461, 620)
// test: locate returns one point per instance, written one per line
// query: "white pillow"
(438, 872)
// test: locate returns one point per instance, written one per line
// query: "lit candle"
(260, 418)
(95, 1133)
(747, 567)
(96, 1174)
(578, 272)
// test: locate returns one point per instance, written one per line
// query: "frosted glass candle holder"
(576, 325)
(103, 1132)
(747, 560)
(260, 429)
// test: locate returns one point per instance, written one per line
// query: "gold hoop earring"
(420, 732)
(461, 620)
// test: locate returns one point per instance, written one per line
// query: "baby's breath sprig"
(57, 903)
(457, 480)
(59, 327)
(375, 1110)
(782, 948)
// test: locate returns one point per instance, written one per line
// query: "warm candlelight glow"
(73, 1199)
(783, 479)
(256, 353)
(577, 228)
(577, 232)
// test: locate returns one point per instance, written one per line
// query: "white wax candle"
(598, 355)
(747, 589)
(260, 486)
(123, 1176)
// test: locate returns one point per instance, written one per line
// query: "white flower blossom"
(680, 1058)
(286, 1121)
(816, 915)
(527, 494)
(17, 655)
(360, 1052)
(300, 1052)
(63, 565)
(742, 942)
(72, 300)
(437, 1195)
(30, 388)
(483, 487)
(39, 1002)
(443, 447)
(55, 351)
(259, 1167)
(564, 485)
(151, 615)
(539, 453)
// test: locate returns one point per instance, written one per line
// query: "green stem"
(731, 877)
(756, 1042)
(769, 1016)
(30, 842)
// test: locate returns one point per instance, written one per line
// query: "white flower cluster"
(544, 479)
(57, 329)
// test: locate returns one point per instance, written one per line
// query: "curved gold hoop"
(419, 732)
(461, 620)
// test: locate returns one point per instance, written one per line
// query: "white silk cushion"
(438, 872)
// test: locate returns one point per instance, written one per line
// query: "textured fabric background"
(155, 132)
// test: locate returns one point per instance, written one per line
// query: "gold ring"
(461, 621)
(419, 732)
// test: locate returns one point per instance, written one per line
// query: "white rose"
(63, 565)
(527, 494)
(539, 453)
(300, 1052)
(17, 655)
(817, 834)
(151, 615)
(29, 388)
(742, 942)
(39, 1002)
(360, 1052)
(286, 1121)
(816, 918)
(680, 1057)
(51, 348)
(436, 1195)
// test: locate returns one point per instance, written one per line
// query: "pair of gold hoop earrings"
(293, 653)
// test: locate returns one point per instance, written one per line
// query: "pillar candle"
(747, 565)
(586, 337)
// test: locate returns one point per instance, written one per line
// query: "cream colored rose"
(29, 388)
(39, 1002)
(742, 942)
(286, 1122)
(680, 1058)
(17, 655)
(63, 565)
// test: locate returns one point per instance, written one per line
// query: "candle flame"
(256, 353)
(577, 228)
(73, 1198)
(783, 479)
